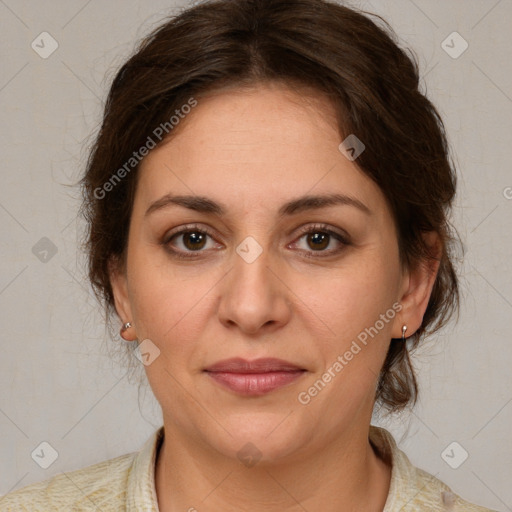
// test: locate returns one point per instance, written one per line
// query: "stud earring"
(404, 328)
(124, 328)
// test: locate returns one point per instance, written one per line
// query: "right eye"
(193, 240)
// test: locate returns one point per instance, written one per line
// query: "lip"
(254, 378)
(262, 365)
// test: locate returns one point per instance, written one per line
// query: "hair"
(331, 49)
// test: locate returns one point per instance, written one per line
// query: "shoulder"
(432, 494)
(101, 486)
(413, 489)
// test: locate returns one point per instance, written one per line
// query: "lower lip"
(254, 384)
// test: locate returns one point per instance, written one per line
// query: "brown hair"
(334, 50)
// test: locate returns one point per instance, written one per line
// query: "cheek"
(358, 293)
(358, 308)
(170, 303)
(158, 301)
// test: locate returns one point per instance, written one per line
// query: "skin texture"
(252, 151)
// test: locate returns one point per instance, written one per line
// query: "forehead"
(252, 147)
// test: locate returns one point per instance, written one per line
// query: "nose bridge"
(253, 295)
(251, 265)
(252, 279)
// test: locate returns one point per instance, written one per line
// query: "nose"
(254, 297)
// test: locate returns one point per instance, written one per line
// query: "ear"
(118, 281)
(417, 284)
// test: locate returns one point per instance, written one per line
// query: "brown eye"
(189, 242)
(318, 240)
(193, 240)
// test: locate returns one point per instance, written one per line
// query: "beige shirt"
(127, 483)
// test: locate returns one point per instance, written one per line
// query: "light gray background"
(58, 383)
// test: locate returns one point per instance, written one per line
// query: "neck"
(347, 475)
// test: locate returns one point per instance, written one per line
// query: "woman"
(267, 203)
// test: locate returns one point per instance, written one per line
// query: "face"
(251, 278)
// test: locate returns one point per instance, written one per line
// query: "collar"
(141, 492)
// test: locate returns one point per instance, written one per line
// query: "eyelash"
(317, 228)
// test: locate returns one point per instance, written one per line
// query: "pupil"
(319, 237)
(195, 237)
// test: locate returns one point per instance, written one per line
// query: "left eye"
(318, 238)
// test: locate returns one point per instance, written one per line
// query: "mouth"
(254, 378)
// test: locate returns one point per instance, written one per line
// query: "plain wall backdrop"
(59, 384)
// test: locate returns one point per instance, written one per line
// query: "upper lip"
(262, 365)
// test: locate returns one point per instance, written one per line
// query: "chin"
(266, 439)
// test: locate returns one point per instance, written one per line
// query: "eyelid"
(325, 228)
(342, 238)
(187, 228)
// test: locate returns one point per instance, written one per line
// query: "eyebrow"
(203, 204)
